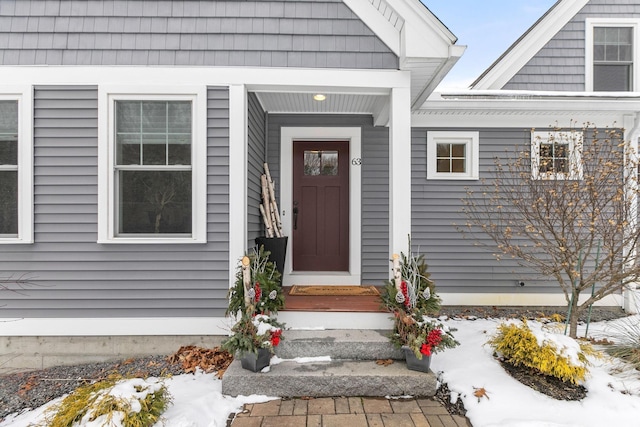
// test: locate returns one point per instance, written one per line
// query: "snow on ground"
(613, 396)
(510, 403)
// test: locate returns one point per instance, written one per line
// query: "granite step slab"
(330, 378)
(350, 344)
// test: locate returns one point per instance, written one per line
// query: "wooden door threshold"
(333, 303)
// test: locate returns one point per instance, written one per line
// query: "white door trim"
(288, 135)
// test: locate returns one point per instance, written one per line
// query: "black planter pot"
(256, 362)
(415, 364)
(278, 248)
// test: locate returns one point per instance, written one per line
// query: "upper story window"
(155, 154)
(610, 55)
(556, 155)
(452, 155)
(16, 170)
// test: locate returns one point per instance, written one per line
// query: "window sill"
(151, 241)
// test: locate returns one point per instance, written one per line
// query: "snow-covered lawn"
(613, 390)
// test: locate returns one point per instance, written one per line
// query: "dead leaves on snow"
(480, 393)
(209, 360)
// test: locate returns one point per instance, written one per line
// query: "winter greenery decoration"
(423, 335)
(411, 297)
(417, 291)
(266, 293)
(549, 354)
(252, 333)
(255, 299)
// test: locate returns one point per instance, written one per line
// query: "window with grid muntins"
(8, 168)
(613, 59)
(153, 171)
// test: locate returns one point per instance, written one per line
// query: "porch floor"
(333, 303)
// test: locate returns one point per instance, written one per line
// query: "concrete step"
(351, 344)
(335, 378)
(352, 370)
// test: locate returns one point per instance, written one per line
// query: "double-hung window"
(556, 155)
(611, 46)
(156, 151)
(16, 169)
(452, 155)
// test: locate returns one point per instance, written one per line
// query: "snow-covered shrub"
(548, 353)
(112, 402)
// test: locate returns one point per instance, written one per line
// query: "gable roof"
(528, 45)
(425, 46)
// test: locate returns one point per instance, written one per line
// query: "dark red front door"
(320, 206)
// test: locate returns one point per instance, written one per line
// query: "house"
(134, 135)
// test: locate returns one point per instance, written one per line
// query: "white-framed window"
(16, 166)
(611, 47)
(556, 155)
(152, 165)
(452, 155)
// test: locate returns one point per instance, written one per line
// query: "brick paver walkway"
(348, 411)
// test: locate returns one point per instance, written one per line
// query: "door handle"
(295, 215)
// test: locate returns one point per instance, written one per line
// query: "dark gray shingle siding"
(277, 33)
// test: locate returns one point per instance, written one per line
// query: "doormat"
(333, 290)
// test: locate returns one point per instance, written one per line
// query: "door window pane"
(320, 162)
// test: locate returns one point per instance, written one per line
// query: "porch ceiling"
(338, 103)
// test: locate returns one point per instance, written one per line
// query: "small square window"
(452, 155)
(556, 155)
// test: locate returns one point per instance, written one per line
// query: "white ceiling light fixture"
(319, 97)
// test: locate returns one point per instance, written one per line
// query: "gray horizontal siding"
(76, 277)
(560, 64)
(375, 182)
(256, 158)
(276, 33)
(456, 263)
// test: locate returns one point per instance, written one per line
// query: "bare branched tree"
(564, 205)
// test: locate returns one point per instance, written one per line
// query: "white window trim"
(471, 139)
(590, 24)
(576, 140)
(107, 95)
(24, 96)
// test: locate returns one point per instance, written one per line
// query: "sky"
(487, 28)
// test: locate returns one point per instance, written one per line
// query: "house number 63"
(356, 161)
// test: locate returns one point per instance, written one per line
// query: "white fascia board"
(539, 35)
(359, 81)
(120, 326)
(473, 113)
(377, 23)
(516, 120)
(420, 16)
